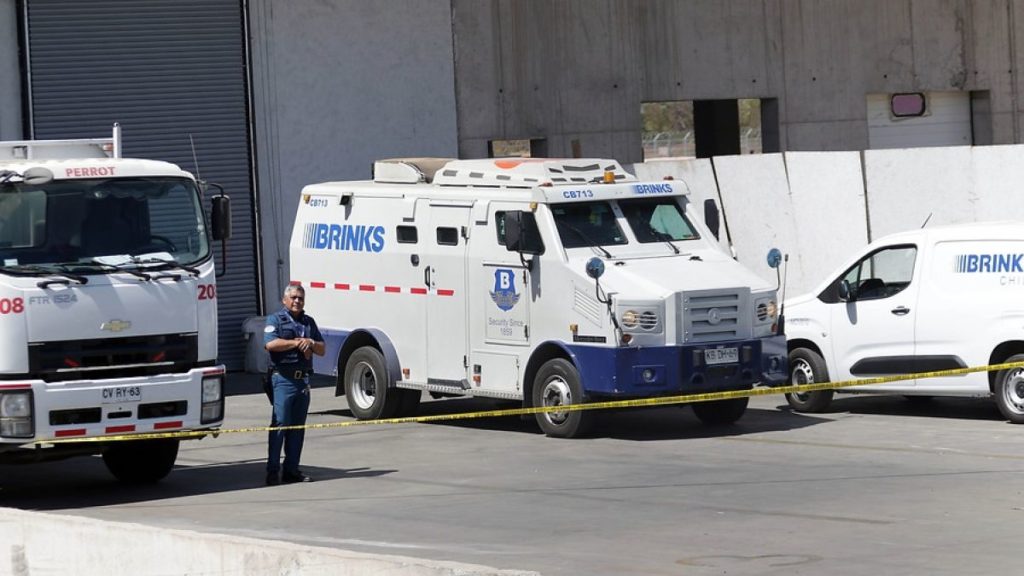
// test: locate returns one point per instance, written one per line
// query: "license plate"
(121, 394)
(722, 355)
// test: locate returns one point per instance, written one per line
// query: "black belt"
(294, 374)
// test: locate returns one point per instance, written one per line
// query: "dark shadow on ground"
(84, 482)
(898, 405)
(641, 424)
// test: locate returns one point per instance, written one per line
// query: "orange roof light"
(609, 177)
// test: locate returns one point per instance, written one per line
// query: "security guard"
(291, 337)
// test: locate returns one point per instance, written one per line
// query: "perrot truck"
(108, 310)
(546, 282)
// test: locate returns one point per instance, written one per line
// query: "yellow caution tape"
(634, 403)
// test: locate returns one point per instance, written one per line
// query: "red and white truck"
(108, 305)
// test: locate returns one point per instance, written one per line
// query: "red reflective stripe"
(213, 371)
(393, 289)
(74, 432)
(341, 286)
(15, 386)
(296, 282)
(446, 292)
(165, 425)
(317, 285)
(418, 290)
(119, 429)
(367, 288)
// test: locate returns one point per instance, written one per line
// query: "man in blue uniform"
(291, 337)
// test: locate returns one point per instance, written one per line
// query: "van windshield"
(657, 220)
(77, 221)
(587, 224)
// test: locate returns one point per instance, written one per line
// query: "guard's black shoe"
(294, 478)
(273, 479)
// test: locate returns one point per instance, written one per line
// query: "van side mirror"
(711, 216)
(845, 293)
(521, 233)
(220, 216)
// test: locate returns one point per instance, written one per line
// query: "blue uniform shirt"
(282, 325)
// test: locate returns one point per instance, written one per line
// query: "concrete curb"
(38, 543)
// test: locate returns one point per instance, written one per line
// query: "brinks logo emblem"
(504, 294)
(348, 237)
(652, 188)
(980, 263)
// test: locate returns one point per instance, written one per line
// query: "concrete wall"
(580, 69)
(33, 543)
(822, 207)
(336, 85)
(11, 125)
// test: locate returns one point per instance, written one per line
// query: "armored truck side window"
(407, 235)
(499, 226)
(447, 236)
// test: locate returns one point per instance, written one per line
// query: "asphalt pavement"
(878, 485)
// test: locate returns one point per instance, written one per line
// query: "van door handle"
(426, 276)
(901, 310)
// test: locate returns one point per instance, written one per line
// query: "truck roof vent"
(407, 170)
(530, 172)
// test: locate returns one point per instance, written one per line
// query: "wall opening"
(705, 128)
(523, 148)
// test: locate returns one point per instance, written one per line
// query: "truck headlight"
(16, 414)
(629, 319)
(766, 310)
(213, 399)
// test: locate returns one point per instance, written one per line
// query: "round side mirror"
(595, 268)
(774, 257)
(37, 176)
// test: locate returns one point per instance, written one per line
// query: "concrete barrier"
(36, 544)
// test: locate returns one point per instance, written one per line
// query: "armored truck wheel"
(141, 461)
(366, 385)
(720, 412)
(808, 367)
(558, 384)
(1009, 391)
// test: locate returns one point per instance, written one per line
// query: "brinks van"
(926, 300)
(546, 282)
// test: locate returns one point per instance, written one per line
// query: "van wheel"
(366, 385)
(1009, 391)
(808, 367)
(141, 461)
(720, 412)
(558, 384)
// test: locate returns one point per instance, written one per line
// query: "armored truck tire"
(1009, 391)
(808, 367)
(720, 412)
(366, 386)
(141, 461)
(558, 384)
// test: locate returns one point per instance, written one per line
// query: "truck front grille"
(714, 315)
(112, 357)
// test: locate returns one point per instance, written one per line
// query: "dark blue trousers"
(291, 403)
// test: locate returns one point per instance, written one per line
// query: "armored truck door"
(445, 278)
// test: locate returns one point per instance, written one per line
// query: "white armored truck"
(546, 282)
(108, 305)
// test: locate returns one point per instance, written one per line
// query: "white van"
(547, 282)
(931, 299)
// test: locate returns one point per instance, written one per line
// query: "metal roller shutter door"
(165, 70)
